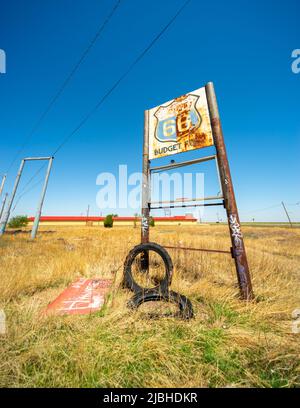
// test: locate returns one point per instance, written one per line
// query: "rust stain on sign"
(180, 125)
(84, 296)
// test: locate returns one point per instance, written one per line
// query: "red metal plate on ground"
(82, 297)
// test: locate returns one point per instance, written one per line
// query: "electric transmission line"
(121, 78)
(115, 85)
(27, 191)
(65, 83)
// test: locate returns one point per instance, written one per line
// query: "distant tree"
(108, 221)
(19, 221)
(151, 222)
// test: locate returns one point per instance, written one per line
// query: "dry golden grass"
(229, 343)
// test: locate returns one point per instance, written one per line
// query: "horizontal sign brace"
(181, 164)
(182, 200)
(186, 205)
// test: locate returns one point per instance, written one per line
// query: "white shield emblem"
(178, 119)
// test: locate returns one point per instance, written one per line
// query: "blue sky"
(244, 47)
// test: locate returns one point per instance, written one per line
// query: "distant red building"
(81, 220)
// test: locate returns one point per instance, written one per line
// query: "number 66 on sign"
(180, 125)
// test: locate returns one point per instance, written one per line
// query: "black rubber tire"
(184, 304)
(131, 284)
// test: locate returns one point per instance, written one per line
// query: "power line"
(261, 209)
(116, 84)
(65, 83)
(27, 191)
(122, 77)
(267, 208)
(33, 177)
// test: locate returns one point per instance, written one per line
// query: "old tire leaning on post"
(150, 295)
(130, 283)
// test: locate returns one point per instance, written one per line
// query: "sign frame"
(237, 249)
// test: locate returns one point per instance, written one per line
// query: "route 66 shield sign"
(180, 125)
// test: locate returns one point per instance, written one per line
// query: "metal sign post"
(187, 123)
(145, 193)
(238, 248)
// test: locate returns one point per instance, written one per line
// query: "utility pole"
(40, 205)
(3, 205)
(2, 183)
(6, 214)
(287, 214)
(87, 215)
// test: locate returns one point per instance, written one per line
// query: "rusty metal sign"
(190, 122)
(83, 296)
(180, 125)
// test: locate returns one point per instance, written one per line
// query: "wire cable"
(116, 84)
(121, 78)
(65, 83)
(27, 191)
(261, 209)
(32, 178)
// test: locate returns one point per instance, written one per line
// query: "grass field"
(229, 343)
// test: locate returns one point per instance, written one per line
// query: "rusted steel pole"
(238, 248)
(145, 193)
